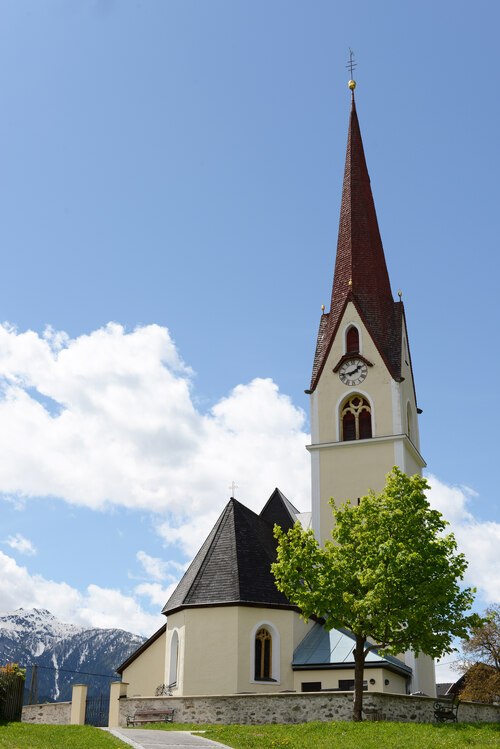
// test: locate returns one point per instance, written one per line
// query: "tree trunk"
(359, 668)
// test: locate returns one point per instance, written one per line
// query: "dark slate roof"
(233, 565)
(278, 510)
(443, 689)
(360, 270)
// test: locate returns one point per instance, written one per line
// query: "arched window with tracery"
(263, 655)
(352, 340)
(356, 419)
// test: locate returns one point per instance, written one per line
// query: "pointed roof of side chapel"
(233, 565)
(360, 270)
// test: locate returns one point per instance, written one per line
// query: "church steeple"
(364, 415)
(360, 270)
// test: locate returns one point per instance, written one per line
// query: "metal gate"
(97, 710)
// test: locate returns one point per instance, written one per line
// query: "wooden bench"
(446, 709)
(151, 716)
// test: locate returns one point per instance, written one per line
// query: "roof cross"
(351, 64)
(233, 488)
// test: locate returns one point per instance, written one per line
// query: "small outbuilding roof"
(321, 648)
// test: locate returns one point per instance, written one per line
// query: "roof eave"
(141, 649)
(402, 670)
(249, 604)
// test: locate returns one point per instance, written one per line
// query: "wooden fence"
(11, 696)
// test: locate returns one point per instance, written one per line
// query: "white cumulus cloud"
(108, 419)
(155, 593)
(479, 540)
(21, 544)
(153, 566)
(95, 607)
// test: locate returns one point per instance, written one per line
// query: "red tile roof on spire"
(360, 271)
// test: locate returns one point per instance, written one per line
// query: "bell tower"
(364, 415)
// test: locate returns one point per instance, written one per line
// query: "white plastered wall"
(147, 671)
(385, 680)
(287, 629)
(216, 648)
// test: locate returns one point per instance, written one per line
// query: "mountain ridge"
(63, 653)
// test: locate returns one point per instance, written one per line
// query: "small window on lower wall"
(347, 685)
(310, 686)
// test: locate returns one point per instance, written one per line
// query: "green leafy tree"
(389, 575)
(8, 673)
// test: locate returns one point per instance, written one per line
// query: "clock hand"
(353, 371)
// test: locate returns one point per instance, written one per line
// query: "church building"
(228, 629)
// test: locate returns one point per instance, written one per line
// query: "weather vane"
(351, 65)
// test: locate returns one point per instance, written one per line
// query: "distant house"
(443, 689)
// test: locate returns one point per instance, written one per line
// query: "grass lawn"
(29, 736)
(302, 736)
(344, 735)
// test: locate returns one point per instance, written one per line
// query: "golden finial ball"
(352, 85)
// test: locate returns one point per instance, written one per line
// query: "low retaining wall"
(301, 708)
(56, 713)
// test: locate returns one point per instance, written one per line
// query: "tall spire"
(360, 270)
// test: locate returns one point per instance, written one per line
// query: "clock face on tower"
(353, 372)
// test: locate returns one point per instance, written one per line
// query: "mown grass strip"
(343, 735)
(302, 736)
(30, 736)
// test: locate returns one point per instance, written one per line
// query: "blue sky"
(175, 168)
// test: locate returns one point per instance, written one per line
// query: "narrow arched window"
(356, 419)
(365, 424)
(349, 426)
(352, 340)
(263, 655)
(409, 420)
(174, 659)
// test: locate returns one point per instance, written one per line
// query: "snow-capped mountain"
(27, 633)
(64, 653)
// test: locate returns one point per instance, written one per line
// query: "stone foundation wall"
(276, 708)
(301, 707)
(56, 713)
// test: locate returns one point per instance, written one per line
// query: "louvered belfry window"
(356, 419)
(263, 652)
(352, 341)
